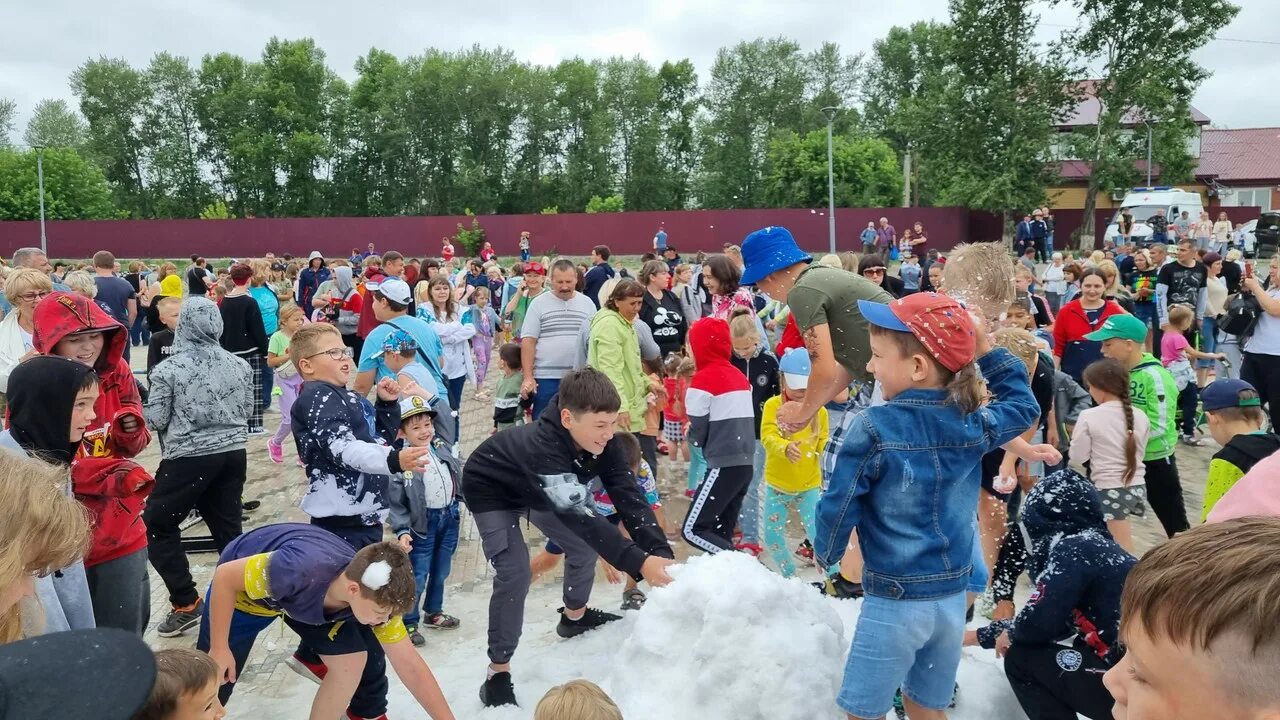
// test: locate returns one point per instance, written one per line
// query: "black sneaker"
(590, 620)
(251, 504)
(180, 621)
(498, 690)
(837, 587)
(415, 637)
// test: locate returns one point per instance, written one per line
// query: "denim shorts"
(909, 644)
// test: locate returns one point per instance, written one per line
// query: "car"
(1266, 231)
(1143, 202)
(1244, 237)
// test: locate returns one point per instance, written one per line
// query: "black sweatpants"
(1053, 682)
(649, 451)
(211, 484)
(713, 514)
(1188, 401)
(1164, 495)
(1263, 373)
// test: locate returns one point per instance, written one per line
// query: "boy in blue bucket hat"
(824, 304)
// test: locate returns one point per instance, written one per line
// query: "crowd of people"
(930, 453)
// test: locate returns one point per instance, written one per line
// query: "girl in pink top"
(1111, 437)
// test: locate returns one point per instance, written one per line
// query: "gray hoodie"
(201, 397)
(64, 595)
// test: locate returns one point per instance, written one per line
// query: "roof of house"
(1240, 156)
(1086, 111)
(1077, 170)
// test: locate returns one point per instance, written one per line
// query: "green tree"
(1138, 85)
(174, 174)
(996, 110)
(611, 204)
(678, 105)
(217, 210)
(538, 170)
(73, 188)
(54, 124)
(8, 109)
(756, 89)
(587, 133)
(865, 170)
(832, 80)
(907, 67)
(114, 98)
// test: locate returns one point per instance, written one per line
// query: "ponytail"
(1130, 440)
(965, 389)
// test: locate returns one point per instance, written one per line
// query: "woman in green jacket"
(614, 349)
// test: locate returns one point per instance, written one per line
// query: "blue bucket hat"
(767, 251)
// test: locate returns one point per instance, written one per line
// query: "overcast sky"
(45, 40)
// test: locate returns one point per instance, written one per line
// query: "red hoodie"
(115, 492)
(61, 314)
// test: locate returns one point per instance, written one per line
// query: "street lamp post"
(1148, 124)
(831, 113)
(40, 181)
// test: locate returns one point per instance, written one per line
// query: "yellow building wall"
(1072, 197)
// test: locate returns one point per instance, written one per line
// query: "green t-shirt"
(279, 341)
(829, 296)
(1153, 389)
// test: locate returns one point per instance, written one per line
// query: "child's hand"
(414, 459)
(1004, 483)
(793, 452)
(1002, 644)
(129, 423)
(226, 663)
(611, 573)
(388, 390)
(1045, 453)
(970, 638)
(654, 571)
(406, 542)
(624, 420)
(1220, 356)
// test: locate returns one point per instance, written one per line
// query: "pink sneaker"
(275, 451)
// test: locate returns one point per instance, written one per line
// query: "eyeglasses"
(333, 353)
(873, 271)
(33, 296)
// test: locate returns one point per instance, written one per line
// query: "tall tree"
(832, 80)
(174, 173)
(8, 109)
(756, 89)
(1139, 85)
(588, 131)
(631, 90)
(113, 99)
(54, 124)
(678, 105)
(483, 94)
(537, 173)
(73, 188)
(996, 111)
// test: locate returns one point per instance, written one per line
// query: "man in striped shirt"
(551, 338)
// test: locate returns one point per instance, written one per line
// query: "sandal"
(440, 621)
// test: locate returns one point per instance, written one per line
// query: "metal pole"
(44, 245)
(1148, 154)
(830, 112)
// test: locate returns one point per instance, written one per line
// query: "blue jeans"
(1208, 341)
(455, 386)
(432, 558)
(909, 644)
(546, 388)
(753, 503)
(138, 332)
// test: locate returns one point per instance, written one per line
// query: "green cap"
(1126, 327)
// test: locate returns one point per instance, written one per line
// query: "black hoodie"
(42, 391)
(539, 467)
(1077, 568)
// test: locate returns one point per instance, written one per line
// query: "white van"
(1142, 203)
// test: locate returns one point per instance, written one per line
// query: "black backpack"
(1241, 315)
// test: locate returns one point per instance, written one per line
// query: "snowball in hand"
(730, 639)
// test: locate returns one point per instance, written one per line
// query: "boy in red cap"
(907, 478)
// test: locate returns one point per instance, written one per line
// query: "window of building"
(1249, 197)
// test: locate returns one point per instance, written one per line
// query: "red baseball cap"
(940, 323)
(534, 267)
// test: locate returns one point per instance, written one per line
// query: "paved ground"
(280, 487)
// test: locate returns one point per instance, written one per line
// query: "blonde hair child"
(279, 357)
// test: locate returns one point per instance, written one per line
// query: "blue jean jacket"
(907, 476)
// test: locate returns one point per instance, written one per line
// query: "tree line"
(973, 104)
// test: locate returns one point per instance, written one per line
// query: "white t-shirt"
(27, 343)
(1265, 339)
(437, 484)
(558, 326)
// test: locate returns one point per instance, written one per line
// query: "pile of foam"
(730, 639)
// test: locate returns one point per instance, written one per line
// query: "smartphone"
(1248, 269)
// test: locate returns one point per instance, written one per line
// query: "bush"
(217, 210)
(553, 210)
(471, 239)
(610, 204)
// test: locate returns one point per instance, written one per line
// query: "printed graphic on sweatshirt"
(567, 494)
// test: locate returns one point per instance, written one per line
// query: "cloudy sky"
(45, 40)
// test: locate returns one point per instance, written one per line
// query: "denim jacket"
(907, 476)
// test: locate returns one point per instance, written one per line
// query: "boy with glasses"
(348, 467)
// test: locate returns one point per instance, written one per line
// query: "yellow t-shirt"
(779, 472)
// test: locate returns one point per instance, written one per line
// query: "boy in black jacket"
(1079, 573)
(545, 471)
